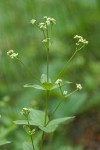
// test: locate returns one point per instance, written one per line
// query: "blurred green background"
(73, 17)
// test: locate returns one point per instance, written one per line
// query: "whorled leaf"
(47, 86)
(37, 118)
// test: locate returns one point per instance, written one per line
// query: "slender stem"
(71, 93)
(28, 70)
(47, 52)
(51, 32)
(61, 90)
(57, 107)
(47, 31)
(47, 92)
(45, 119)
(77, 49)
(46, 108)
(31, 135)
(24, 65)
(59, 104)
(47, 64)
(60, 74)
(44, 34)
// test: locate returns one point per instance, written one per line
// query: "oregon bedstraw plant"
(38, 123)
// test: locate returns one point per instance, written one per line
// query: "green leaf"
(27, 146)
(3, 142)
(36, 118)
(22, 122)
(60, 120)
(46, 86)
(36, 86)
(52, 125)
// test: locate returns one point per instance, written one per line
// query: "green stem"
(45, 119)
(57, 107)
(47, 52)
(28, 70)
(44, 34)
(71, 93)
(77, 49)
(47, 65)
(61, 90)
(31, 135)
(46, 108)
(59, 104)
(47, 92)
(60, 74)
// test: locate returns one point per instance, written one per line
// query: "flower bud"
(25, 112)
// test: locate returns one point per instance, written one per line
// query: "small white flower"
(58, 81)
(32, 21)
(12, 54)
(42, 25)
(78, 86)
(65, 93)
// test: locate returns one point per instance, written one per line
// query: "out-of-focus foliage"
(80, 17)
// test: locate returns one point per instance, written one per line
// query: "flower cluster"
(43, 25)
(81, 40)
(12, 54)
(49, 20)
